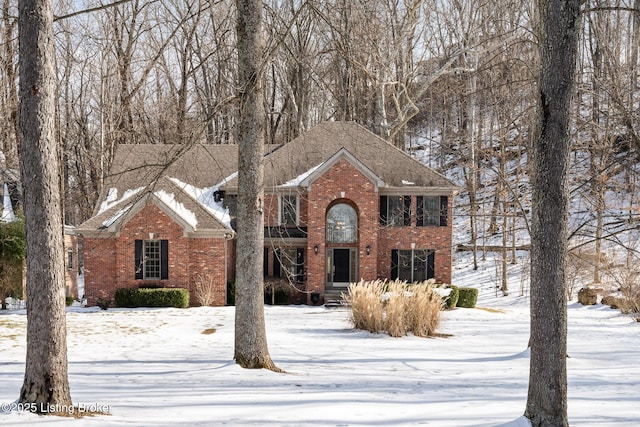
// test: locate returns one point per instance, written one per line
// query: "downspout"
(227, 238)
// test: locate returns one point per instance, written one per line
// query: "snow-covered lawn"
(156, 367)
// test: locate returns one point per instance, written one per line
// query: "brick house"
(341, 204)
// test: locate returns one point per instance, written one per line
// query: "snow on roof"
(169, 199)
(206, 198)
(297, 180)
(113, 218)
(408, 182)
(112, 198)
(224, 181)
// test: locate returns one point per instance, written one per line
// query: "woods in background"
(452, 82)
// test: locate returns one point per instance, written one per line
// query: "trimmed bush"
(69, 301)
(467, 297)
(163, 297)
(451, 300)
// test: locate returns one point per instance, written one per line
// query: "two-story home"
(341, 204)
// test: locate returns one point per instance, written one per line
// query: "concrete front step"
(334, 298)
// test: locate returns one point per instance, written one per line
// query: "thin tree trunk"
(250, 334)
(558, 35)
(46, 382)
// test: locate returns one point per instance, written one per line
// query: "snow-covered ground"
(157, 367)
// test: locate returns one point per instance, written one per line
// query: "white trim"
(280, 206)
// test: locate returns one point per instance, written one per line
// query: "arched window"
(342, 224)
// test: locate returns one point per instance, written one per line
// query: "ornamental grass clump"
(395, 307)
(366, 305)
(424, 310)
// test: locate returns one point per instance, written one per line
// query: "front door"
(341, 266)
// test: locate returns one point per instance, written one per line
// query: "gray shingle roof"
(149, 166)
(199, 165)
(392, 165)
(204, 166)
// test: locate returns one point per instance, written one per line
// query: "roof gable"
(188, 206)
(343, 153)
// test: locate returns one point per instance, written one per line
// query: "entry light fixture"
(315, 249)
(368, 249)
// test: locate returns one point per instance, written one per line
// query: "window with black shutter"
(395, 210)
(431, 210)
(151, 259)
(412, 265)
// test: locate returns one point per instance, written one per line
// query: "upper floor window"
(151, 259)
(432, 210)
(70, 259)
(288, 209)
(395, 210)
(342, 224)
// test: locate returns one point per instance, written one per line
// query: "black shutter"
(300, 265)
(394, 264)
(164, 259)
(265, 262)
(431, 271)
(444, 208)
(419, 211)
(383, 210)
(138, 259)
(277, 267)
(407, 210)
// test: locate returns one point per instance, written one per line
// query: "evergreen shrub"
(145, 297)
(451, 300)
(468, 297)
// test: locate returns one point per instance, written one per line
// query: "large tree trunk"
(547, 396)
(45, 381)
(250, 334)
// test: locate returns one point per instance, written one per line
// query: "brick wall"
(360, 192)
(110, 263)
(342, 183)
(436, 238)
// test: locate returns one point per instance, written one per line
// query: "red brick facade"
(345, 183)
(110, 260)
(319, 266)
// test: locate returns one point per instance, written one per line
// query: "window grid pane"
(342, 224)
(431, 210)
(412, 265)
(395, 210)
(151, 259)
(288, 210)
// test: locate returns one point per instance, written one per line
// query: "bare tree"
(46, 381)
(250, 334)
(558, 37)
(9, 131)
